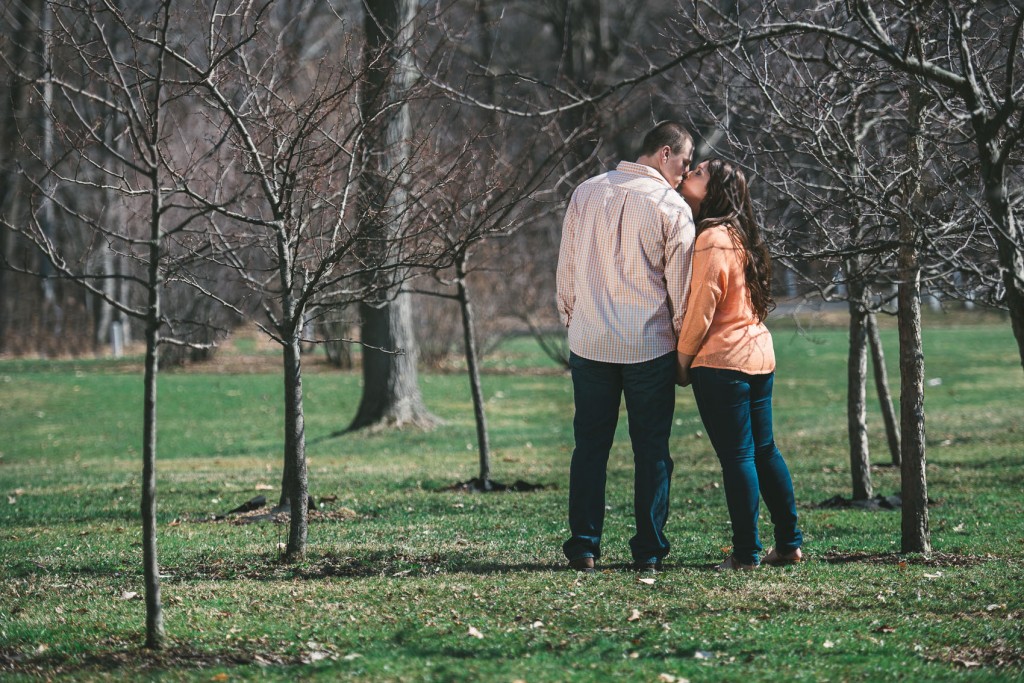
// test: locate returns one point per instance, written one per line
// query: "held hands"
(683, 369)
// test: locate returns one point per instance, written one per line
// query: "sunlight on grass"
(399, 573)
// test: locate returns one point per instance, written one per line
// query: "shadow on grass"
(110, 658)
(930, 560)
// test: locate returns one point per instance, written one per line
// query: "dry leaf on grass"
(634, 615)
(474, 633)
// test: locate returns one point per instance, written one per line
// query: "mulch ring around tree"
(255, 510)
(477, 485)
(879, 502)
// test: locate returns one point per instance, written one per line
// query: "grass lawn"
(403, 582)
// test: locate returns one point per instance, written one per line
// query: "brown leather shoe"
(776, 559)
(643, 567)
(582, 564)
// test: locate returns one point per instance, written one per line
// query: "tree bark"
(892, 433)
(155, 635)
(856, 391)
(391, 394)
(295, 450)
(472, 364)
(914, 489)
(12, 105)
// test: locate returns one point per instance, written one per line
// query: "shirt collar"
(640, 169)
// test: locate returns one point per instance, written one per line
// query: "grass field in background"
(403, 582)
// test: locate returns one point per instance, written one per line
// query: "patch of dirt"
(255, 511)
(1000, 654)
(109, 658)
(879, 502)
(477, 485)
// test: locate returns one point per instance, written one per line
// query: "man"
(623, 280)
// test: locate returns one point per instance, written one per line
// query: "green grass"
(390, 590)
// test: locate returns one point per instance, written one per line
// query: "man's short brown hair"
(666, 133)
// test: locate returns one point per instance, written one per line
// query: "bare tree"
(966, 55)
(124, 76)
(287, 230)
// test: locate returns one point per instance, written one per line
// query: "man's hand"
(683, 369)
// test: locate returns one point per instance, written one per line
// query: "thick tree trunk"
(391, 395)
(297, 483)
(472, 364)
(914, 490)
(856, 403)
(12, 106)
(892, 432)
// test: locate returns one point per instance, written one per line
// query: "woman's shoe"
(731, 563)
(776, 559)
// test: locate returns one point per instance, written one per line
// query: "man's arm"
(565, 276)
(679, 266)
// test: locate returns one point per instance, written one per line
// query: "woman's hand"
(683, 369)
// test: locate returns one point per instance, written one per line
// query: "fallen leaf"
(12, 500)
(634, 615)
(902, 565)
(129, 595)
(828, 644)
(703, 654)
(966, 663)
(219, 677)
(959, 527)
(264, 487)
(647, 580)
(351, 656)
(885, 628)
(474, 633)
(993, 608)
(936, 575)
(537, 624)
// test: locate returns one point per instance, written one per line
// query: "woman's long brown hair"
(728, 203)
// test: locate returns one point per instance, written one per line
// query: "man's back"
(624, 265)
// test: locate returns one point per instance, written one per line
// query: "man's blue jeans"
(649, 388)
(736, 409)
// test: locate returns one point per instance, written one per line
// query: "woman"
(726, 352)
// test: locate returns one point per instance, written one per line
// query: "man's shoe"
(647, 566)
(776, 559)
(731, 563)
(583, 564)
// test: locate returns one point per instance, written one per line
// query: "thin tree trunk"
(53, 313)
(155, 636)
(914, 490)
(469, 344)
(295, 448)
(856, 403)
(892, 432)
